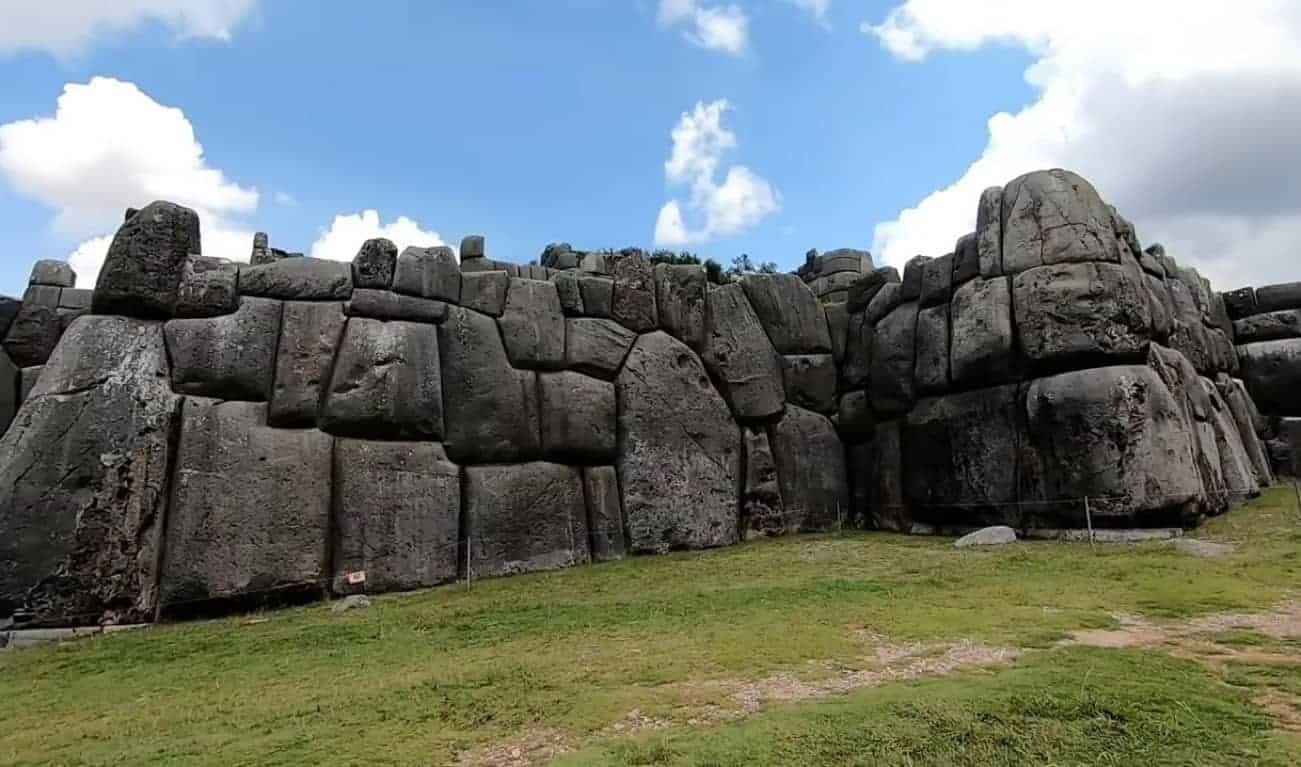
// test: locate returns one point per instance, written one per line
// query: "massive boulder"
(485, 292)
(789, 312)
(523, 518)
(810, 381)
(83, 479)
(374, 264)
(1273, 298)
(887, 506)
(890, 380)
(681, 293)
(386, 382)
(298, 279)
(1080, 315)
(51, 272)
(10, 390)
(578, 418)
(1241, 408)
(596, 347)
(208, 287)
(143, 267)
(932, 363)
(740, 356)
(310, 332)
(811, 470)
(983, 349)
(989, 232)
(387, 305)
(34, 332)
(1054, 217)
(1235, 464)
(762, 509)
(632, 302)
(533, 326)
(1269, 326)
(1272, 371)
(232, 356)
(679, 450)
(428, 273)
(397, 516)
(605, 525)
(250, 513)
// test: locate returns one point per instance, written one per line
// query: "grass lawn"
(858, 648)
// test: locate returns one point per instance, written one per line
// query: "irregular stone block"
(1275, 297)
(76, 299)
(890, 382)
(937, 281)
(1240, 303)
(855, 417)
(811, 470)
(28, 377)
(1235, 464)
(491, 409)
(83, 479)
(298, 279)
(485, 292)
(857, 365)
(42, 295)
(397, 515)
(998, 535)
(790, 313)
(387, 305)
(374, 264)
(533, 326)
(9, 307)
(472, 246)
(1054, 217)
(144, 263)
(428, 273)
(310, 332)
(762, 511)
(966, 259)
(604, 513)
(989, 232)
(386, 382)
(837, 327)
(228, 357)
(234, 530)
(524, 518)
(885, 301)
(888, 508)
(865, 288)
(10, 390)
(810, 381)
(1161, 306)
(741, 357)
(598, 295)
(578, 418)
(1081, 314)
(50, 272)
(680, 292)
(632, 302)
(1269, 326)
(1240, 407)
(596, 347)
(932, 364)
(679, 450)
(571, 297)
(261, 253)
(208, 287)
(983, 342)
(1272, 372)
(913, 277)
(33, 334)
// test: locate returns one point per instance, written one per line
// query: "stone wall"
(216, 434)
(1266, 326)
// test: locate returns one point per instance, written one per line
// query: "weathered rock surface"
(679, 450)
(387, 305)
(890, 382)
(84, 479)
(472, 246)
(1079, 315)
(298, 279)
(604, 513)
(428, 273)
(33, 334)
(524, 518)
(598, 296)
(762, 510)
(10, 390)
(9, 307)
(681, 294)
(989, 232)
(789, 313)
(397, 516)
(533, 326)
(208, 287)
(837, 327)
(740, 356)
(932, 364)
(913, 277)
(997, 535)
(811, 470)
(1269, 326)
(810, 381)
(51, 272)
(578, 418)
(1272, 371)
(485, 292)
(857, 364)
(386, 382)
(888, 507)
(1240, 407)
(632, 302)
(233, 532)
(1240, 303)
(310, 332)
(571, 296)
(855, 417)
(886, 300)
(966, 259)
(1235, 463)
(983, 350)
(865, 288)
(937, 281)
(143, 267)
(596, 347)
(1054, 217)
(1278, 297)
(228, 357)
(374, 264)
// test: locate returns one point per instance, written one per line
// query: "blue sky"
(538, 121)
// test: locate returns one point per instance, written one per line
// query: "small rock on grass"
(353, 602)
(1201, 548)
(988, 536)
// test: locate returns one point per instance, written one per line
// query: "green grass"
(418, 678)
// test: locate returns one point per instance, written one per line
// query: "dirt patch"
(1285, 709)
(537, 746)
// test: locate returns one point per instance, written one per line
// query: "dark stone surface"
(233, 532)
(1240, 303)
(83, 479)
(397, 516)
(789, 312)
(144, 263)
(533, 326)
(837, 327)
(50, 272)
(1054, 217)
(679, 450)
(428, 273)
(9, 307)
(857, 365)
(632, 302)
(966, 259)
(298, 279)
(740, 356)
(598, 295)
(524, 518)
(310, 332)
(387, 305)
(865, 288)
(885, 301)
(811, 471)
(1161, 305)
(596, 347)
(810, 381)
(1081, 315)
(1235, 463)
(10, 390)
(890, 381)
(855, 417)
(77, 299)
(491, 409)
(763, 512)
(1275, 297)
(472, 246)
(931, 371)
(604, 513)
(888, 508)
(983, 341)
(374, 264)
(42, 295)
(208, 287)
(989, 232)
(937, 281)
(578, 418)
(386, 382)
(913, 277)
(1272, 372)
(1240, 407)
(1269, 326)
(571, 297)
(228, 357)
(27, 378)
(485, 292)
(33, 334)
(680, 291)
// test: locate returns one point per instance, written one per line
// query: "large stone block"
(472, 246)
(989, 232)
(1269, 326)
(679, 450)
(83, 479)
(250, 512)
(811, 470)
(1079, 315)
(932, 364)
(75, 299)
(10, 390)
(571, 296)
(983, 348)
(838, 327)
(33, 334)
(1054, 217)
(762, 510)
(1235, 464)
(739, 354)
(1240, 303)
(387, 305)
(598, 295)
(208, 287)
(914, 275)
(790, 313)
(1277, 297)
(632, 302)
(374, 264)
(397, 515)
(966, 259)
(604, 513)
(51, 272)
(810, 381)
(9, 307)
(386, 382)
(1241, 408)
(1161, 305)
(680, 291)
(1272, 372)
(485, 292)
(298, 279)
(533, 326)
(865, 288)
(310, 332)
(596, 347)
(857, 364)
(937, 281)
(890, 380)
(578, 418)
(428, 273)
(888, 507)
(144, 263)
(885, 301)
(491, 409)
(854, 416)
(228, 357)
(524, 518)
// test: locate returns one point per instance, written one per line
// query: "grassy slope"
(418, 677)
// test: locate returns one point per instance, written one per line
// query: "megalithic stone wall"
(1266, 326)
(216, 434)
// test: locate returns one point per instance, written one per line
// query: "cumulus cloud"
(68, 26)
(348, 231)
(723, 28)
(740, 201)
(109, 146)
(1188, 128)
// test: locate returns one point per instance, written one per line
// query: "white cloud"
(67, 26)
(741, 201)
(110, 146)
(286, 199)
(1188, 128)
(724, 28)
(347, 232)
(818, 9)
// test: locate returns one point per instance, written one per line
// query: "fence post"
(1088, 520)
